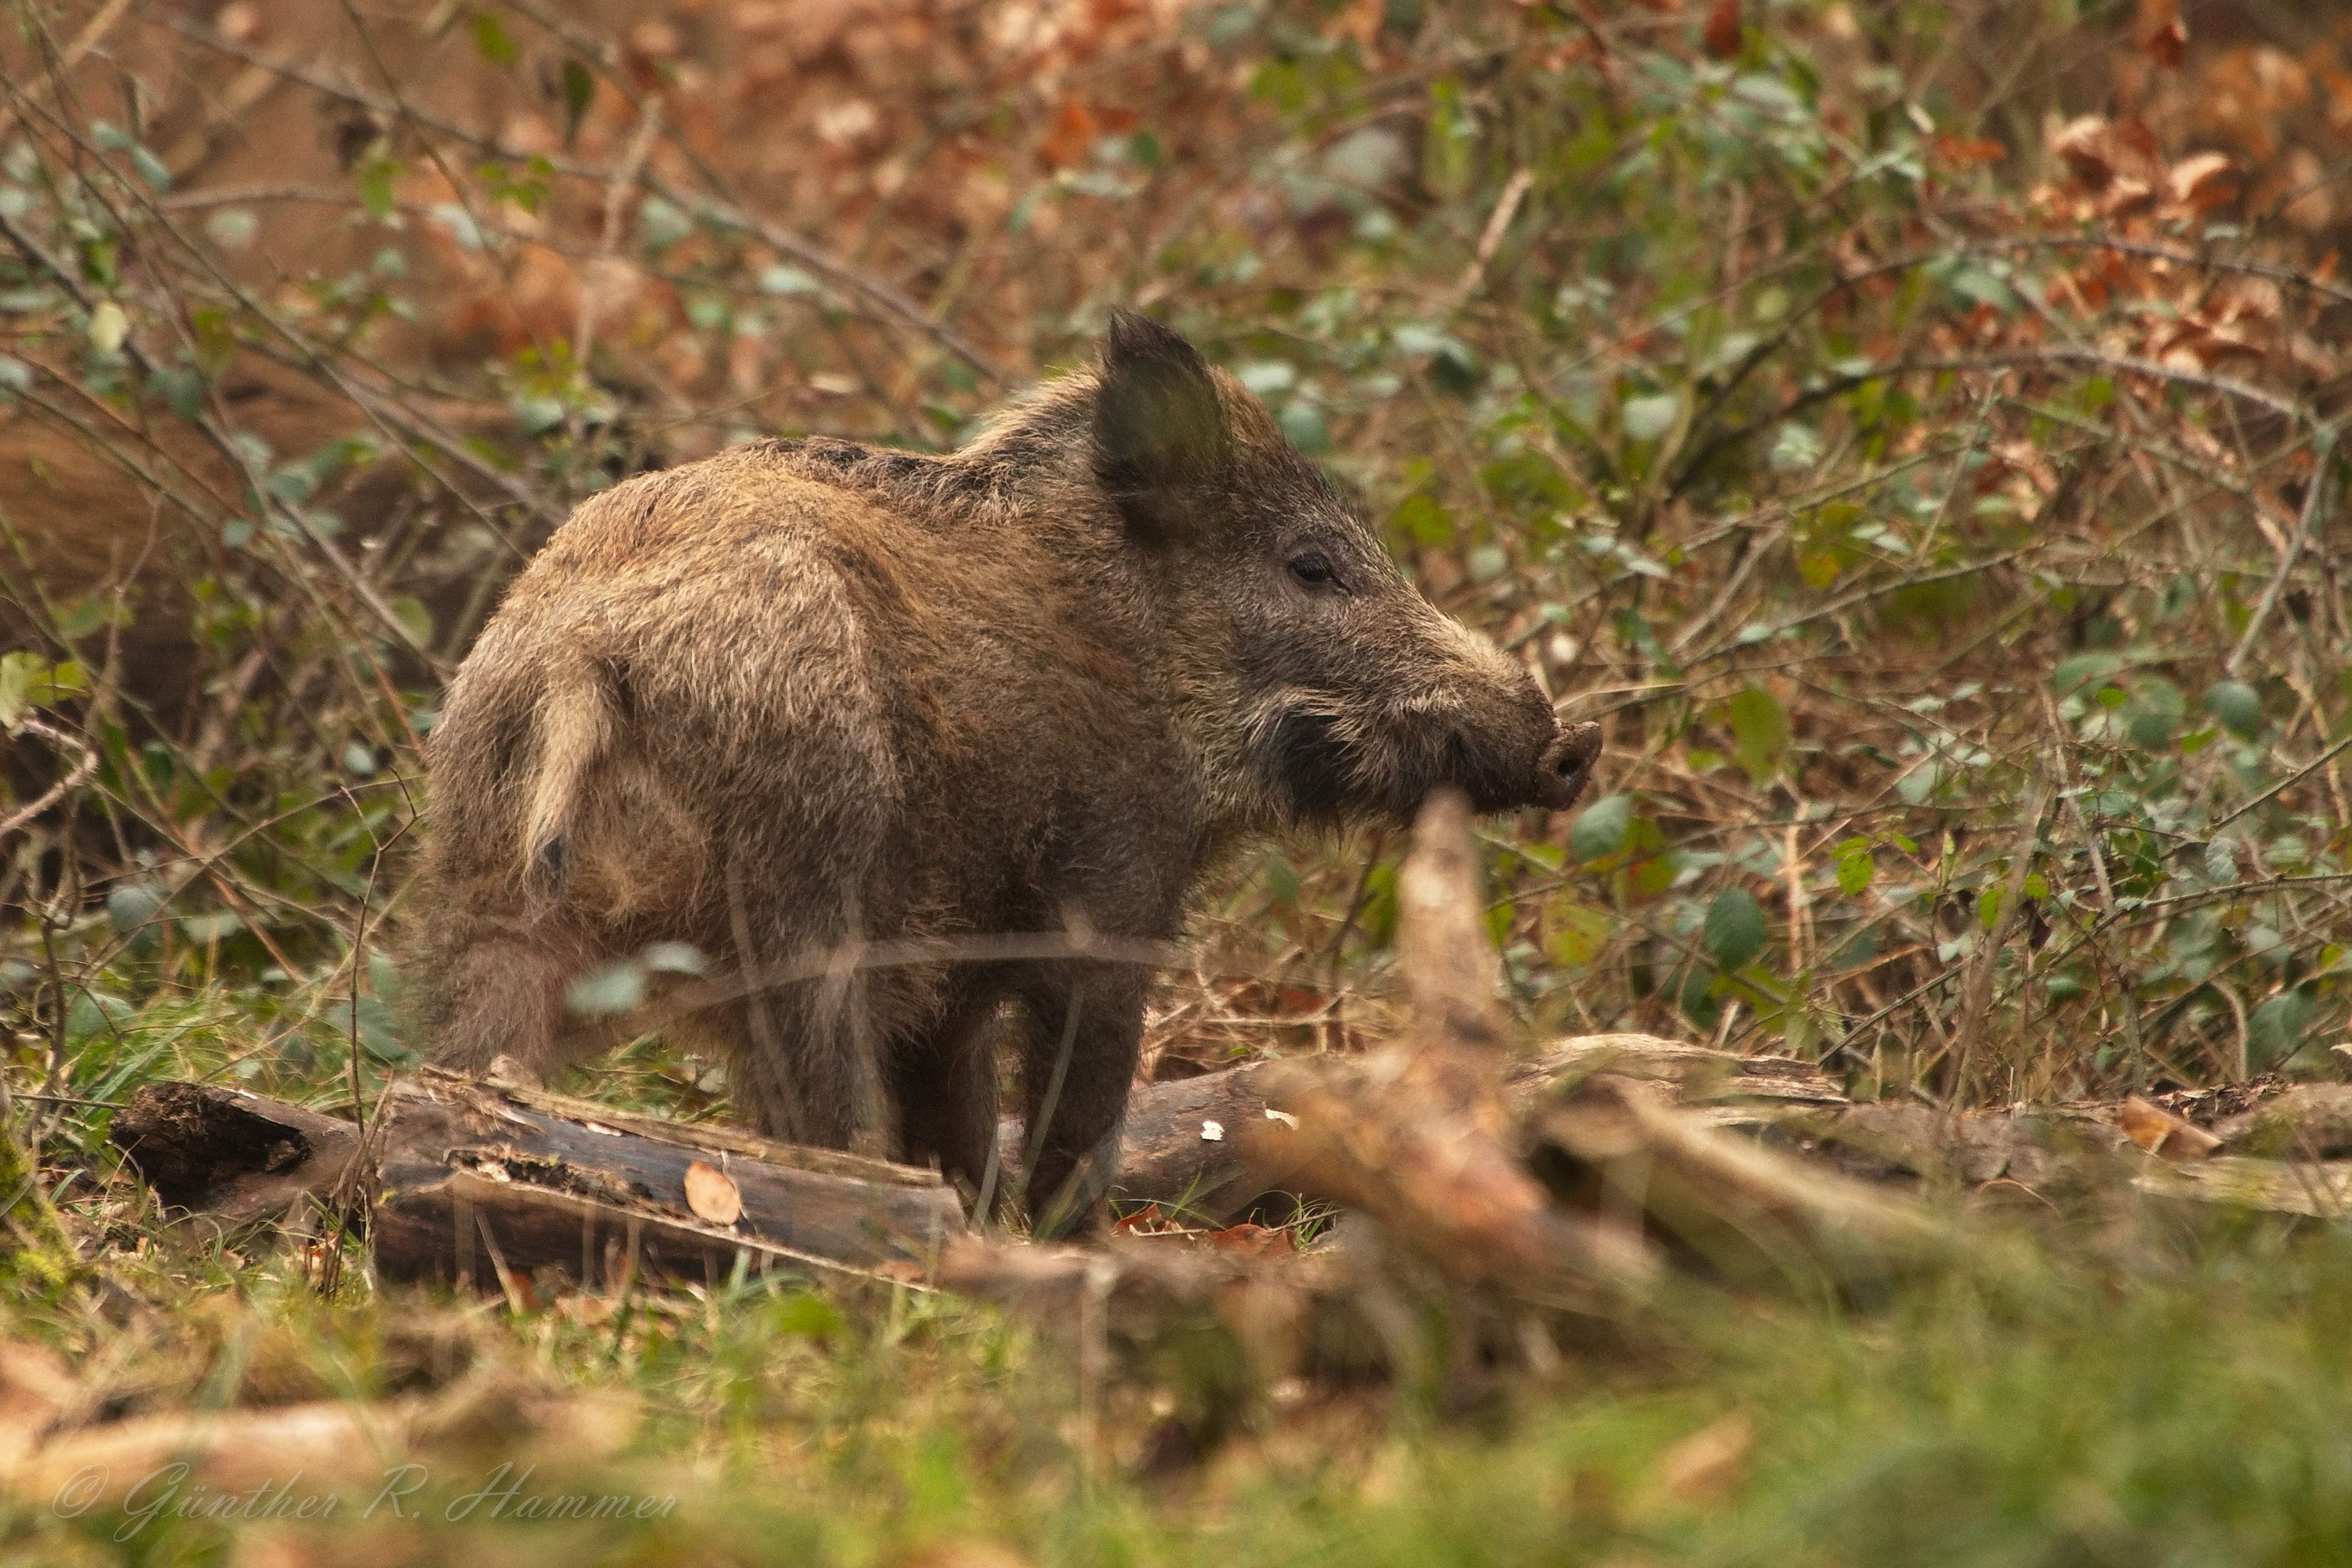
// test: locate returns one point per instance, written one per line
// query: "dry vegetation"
(1910, 427)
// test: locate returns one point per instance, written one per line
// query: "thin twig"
(80, 776)
(2323, 450)
(633, 160)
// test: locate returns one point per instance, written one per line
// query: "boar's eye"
(1313, 571)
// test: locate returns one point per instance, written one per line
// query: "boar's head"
(1320, 684)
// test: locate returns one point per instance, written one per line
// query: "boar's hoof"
(1567, 762)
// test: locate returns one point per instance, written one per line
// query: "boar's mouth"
(1325, 774)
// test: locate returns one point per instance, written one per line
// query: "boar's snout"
(1565, 765)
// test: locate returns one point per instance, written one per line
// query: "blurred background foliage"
(1909, 426)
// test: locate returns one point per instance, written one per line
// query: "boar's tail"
(575, 724)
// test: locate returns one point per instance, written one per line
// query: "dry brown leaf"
(1071, 139)
(1721, 33)
(2204, 181)
(712, 1193)
(2163, 1134)
(1251, 1240)
(2083, 144)
(1706, 1466)
(2168, 43)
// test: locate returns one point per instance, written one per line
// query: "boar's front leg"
(1078, 1053)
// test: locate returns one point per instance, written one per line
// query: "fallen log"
(481, 1182)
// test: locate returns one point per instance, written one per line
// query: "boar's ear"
(1159, 427)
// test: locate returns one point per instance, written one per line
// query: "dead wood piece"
(492, 1232)
(1700, 1074)
(1449, 967)
(2309, 1121)
(1182, 1147)
(1741, 1212)
(477, 1179)
(232, 1156)
(333, 1446)
(1281, 1312)
(1408, 1143)
(1419, 1136)
(2315, 1189)
(2047, 1149)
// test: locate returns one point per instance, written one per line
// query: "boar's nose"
(1566, 764)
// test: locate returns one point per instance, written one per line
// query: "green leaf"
(615, 987)
(2239, 707)
(490, 40)
(18, 671)
(108, 327)
(380, 1031)
(2277, 1026)
(151, 169)
(375, 180)
(579, 91)
(132, 904)
(674, 958)
(1696, 998)
(1649, 418)
(1855, 871)
(1303, 424)
(1599, 828)
(805, 1315)
(1573, 932)
(1759, 726)
(2071, 674)
(1734, 930)
(28, 681)
(790, 280)
(662, 223)
(1421, 519)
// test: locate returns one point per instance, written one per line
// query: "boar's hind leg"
(1086, 1025)
(805, 1067)
(944, 1079)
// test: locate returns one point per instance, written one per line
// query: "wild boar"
(894, 740)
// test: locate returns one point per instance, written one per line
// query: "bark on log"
(1182, 1147)
(483, 1178)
